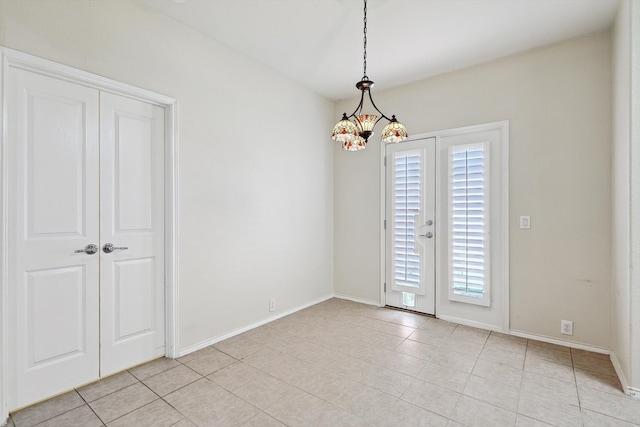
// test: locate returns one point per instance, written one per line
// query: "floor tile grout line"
(89, 406)
(609, 416)
(176, 409)
(132, 411)
(148, 403)
(575, 379)
(57, 415)
(170, 369)
(103, 379)
(524, 363)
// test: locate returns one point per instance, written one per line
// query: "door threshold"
(410, 311)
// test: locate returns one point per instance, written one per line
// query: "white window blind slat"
(406, 206)
(468, 223)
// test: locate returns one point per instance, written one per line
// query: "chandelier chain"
(365, 39)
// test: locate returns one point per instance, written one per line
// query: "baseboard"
(471, 323)
(360, 300)
(571, 344)
(215, 340)
(631, 391)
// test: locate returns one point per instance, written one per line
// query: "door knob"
(428, 235)
(89, 249)
(108, 248)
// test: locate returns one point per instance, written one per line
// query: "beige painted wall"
(256, 200)
(558, 102)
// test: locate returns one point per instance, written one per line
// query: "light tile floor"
(340, 363)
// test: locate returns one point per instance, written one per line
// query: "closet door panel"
(52, 131)
(132, 219)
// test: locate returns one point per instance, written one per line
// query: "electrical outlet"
(566, 327)
(272, 305)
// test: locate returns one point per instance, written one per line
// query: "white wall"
(255, 175)
(558, 102)
(621, 110)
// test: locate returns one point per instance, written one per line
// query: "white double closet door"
(85, 167)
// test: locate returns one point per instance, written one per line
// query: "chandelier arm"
(359, 107)
(377, 109)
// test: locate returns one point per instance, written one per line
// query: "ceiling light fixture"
(354, 134)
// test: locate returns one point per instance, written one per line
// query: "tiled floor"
(341, 363)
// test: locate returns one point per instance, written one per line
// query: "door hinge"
(385, 224)
(385, 161)
(385, 286)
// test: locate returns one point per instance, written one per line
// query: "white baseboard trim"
(563, 343)
(360, 300)
(471, 323)
(214, 340)
(631, 391)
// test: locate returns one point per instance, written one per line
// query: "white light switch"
(525, 222)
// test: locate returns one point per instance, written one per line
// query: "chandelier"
(353, 131)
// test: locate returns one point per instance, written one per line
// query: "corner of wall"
(621, 196)
(626, 388)
(634, 284)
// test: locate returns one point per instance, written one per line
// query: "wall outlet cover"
(566, 327)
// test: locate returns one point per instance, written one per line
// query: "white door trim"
(20, 60)
(503, 126)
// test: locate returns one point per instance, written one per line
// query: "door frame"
(10, 58)
(503, 127)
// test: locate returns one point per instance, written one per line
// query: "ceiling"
(319, 43)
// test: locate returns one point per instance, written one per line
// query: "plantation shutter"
(469, 224)
(406, 208)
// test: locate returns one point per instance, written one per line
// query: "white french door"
(85, 170)
(446, 225)
(410, 225)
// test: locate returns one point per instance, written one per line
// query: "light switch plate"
(525, 222)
